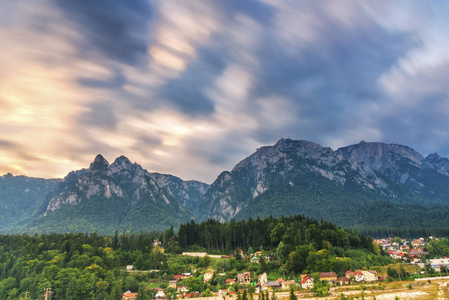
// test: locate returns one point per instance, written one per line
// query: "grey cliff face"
(291, 171)
(272, 166)
(127, 180)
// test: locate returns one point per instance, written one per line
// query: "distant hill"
(362, 185)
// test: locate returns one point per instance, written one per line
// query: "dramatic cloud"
(192, 87)
(116, 29)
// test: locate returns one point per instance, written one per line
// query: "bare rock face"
(273, 166)
(99, 164)
(391, 171)
(381, 156)
(281, 177)
(127, 185)
(438, 163)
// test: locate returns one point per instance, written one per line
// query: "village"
(225, 285)
(415, 251)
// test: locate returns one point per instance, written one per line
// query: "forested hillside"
(91, 266)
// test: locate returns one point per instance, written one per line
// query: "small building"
(359, 277)
(307, 282)
(182, 289)
(244, 278)
(273, 285)
(160, 295)
(370, 276)
(438, 263)
(229, 281)
(280, 280)
(129, 267)
(262, 278)
(343, 280)
(177, 277)
(129, 296)
(185, 275)
(349, 274)
(172, 283)
(208, 276)
(287, 284)
(329, 277)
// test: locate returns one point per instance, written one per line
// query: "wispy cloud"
(192, 87)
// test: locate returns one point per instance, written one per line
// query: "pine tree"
(239, 296)
(292, 295)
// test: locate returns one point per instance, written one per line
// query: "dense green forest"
(301, 244)
(92, 266)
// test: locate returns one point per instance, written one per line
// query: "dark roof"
(272, 283)
(328, 274)
(342, 279)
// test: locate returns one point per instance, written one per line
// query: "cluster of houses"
(307, 280)
(405, 250)
(263, 284)
(361, 276)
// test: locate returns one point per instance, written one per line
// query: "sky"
(190, 88)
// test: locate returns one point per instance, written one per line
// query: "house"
(160, 295)
(129, 296)
(370, 276)
(230, 281)
(404, 248)
(438, 263)
(280, 280)
(260, 255)
(286, 284)
(307, 282)
(208, 276)
(359, 277)
(343, 280)
(272, 285)
(177, 277)
(129, 267)
(156, 243)
(172, 283)
(418, 253)
(349, 274)
(329, 276)
(262, 278)
(185, 275)
(244, 278)
(182, 289)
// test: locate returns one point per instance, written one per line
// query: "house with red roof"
(307, 282)
(359, 277)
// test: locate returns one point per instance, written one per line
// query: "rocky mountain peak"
(300, 145)
(433, 157)
(379, 155)
(99, 164)
(124, 167)
(438, 163)
(122, 162)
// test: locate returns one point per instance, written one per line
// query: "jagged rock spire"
(99, 164)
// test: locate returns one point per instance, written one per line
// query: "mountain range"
(367, 184)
